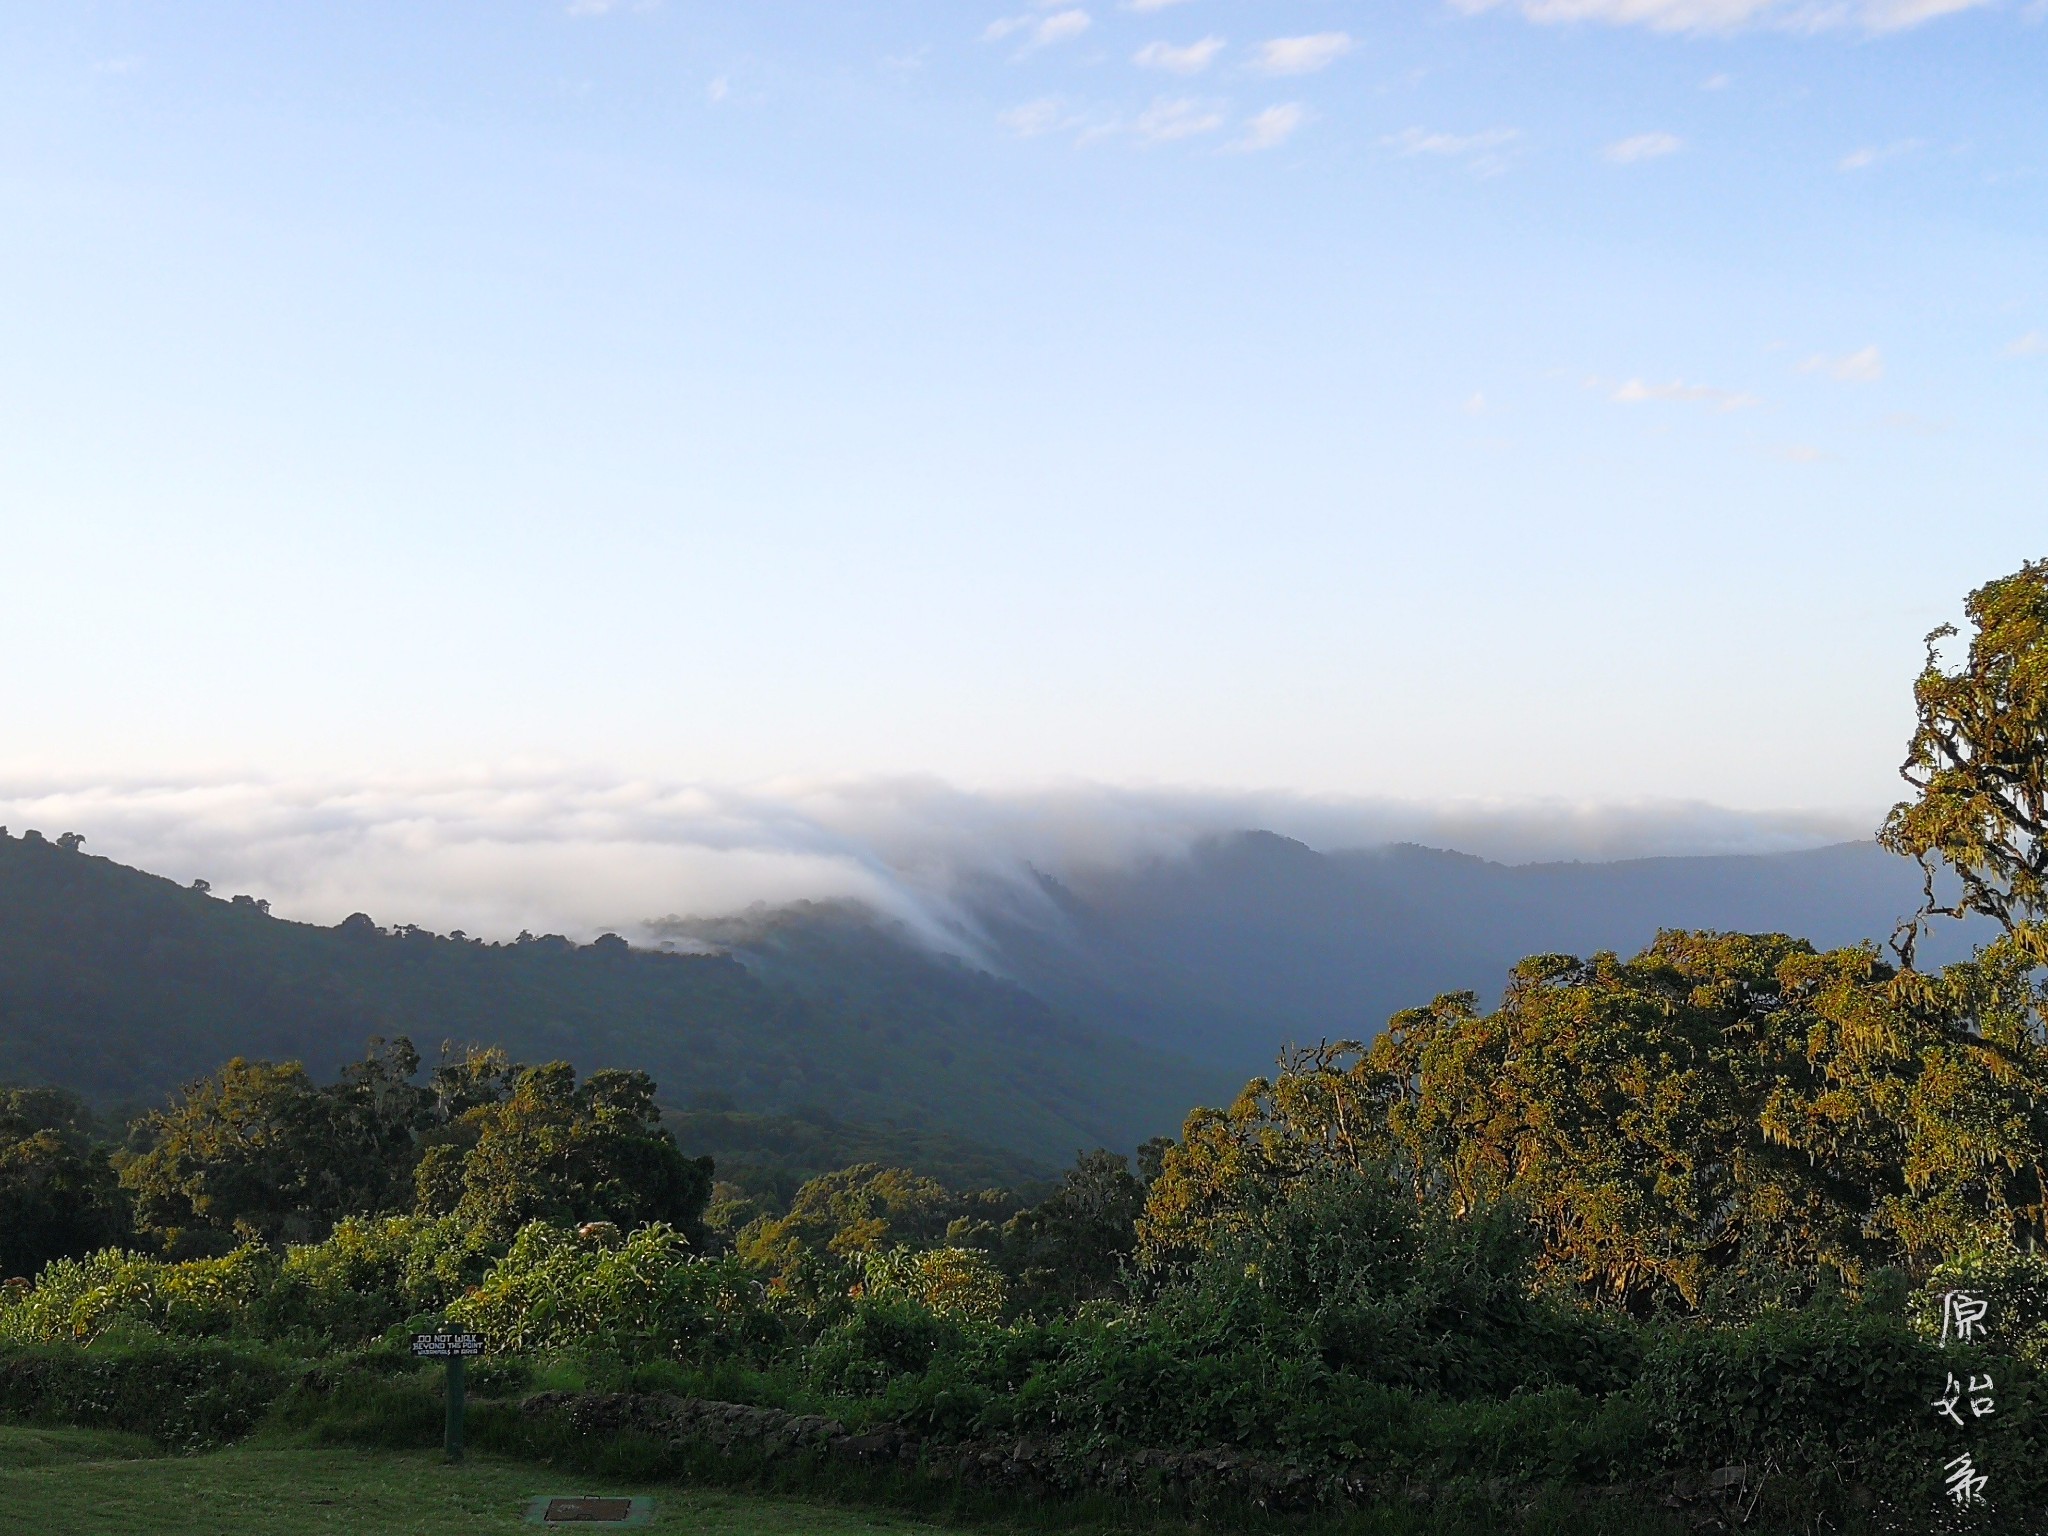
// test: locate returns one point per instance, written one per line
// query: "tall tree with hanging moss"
(1978, 765)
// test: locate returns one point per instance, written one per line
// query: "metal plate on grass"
(586, 1509)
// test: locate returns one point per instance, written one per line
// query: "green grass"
(70, 1482)
(80, 1483)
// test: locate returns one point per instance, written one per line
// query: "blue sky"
(1591, 399)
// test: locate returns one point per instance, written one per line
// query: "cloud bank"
(583, 853)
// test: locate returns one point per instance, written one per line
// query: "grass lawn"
(58, 1482)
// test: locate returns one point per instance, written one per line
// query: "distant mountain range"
(1105, 1007)
(1255, 939)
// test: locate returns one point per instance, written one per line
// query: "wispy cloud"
(1871, 154)
(1167, 121)
(2033, 344)
(1865, 366)
(1301, 55)
(1150, 5)
(1486, 153)
(127, 64)
(718, 90)
(1906, 424)
(1039, 31)
(1046, 115)
(1643, 146)
(1184, 59)
(1731, 15)
(1272, 127)
(1638, 392)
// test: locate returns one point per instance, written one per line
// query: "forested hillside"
(1251, 941)
(122, 985)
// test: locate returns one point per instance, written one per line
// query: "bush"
(1841, 1402)
(642, 1296)
(185, 1395)
(948, 1282)
(117, 1292)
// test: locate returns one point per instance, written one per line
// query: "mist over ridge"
(580, 852)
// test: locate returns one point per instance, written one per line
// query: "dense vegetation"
(1674, 1229)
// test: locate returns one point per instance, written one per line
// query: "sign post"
(457, 1349)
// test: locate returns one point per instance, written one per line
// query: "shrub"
(183, 1394)
(948, 1282)
(643, 1296)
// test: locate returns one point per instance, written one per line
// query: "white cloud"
(1643, 146)
(1897, 15)
(1272, 127)
(1717, 82)
(592, 7)
(579, 853)
(1862, 367)
(1870, 154)
(1637, 392)
(1060, 26)
(1302, 55)
(1045, 115)
(1166, 121)
(1041, 31)
(1151, 5)
(1799, 453)
(1731, 15)
(1188, 59)
(1475, 404)
(128, 64)
(718, 90)
(2033, 344)
(1486, 153)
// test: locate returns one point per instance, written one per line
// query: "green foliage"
(867, 1209)
(644, 1295)
(1072, 1246)
(181, 1394)
(959, 1283)
(129, 1295)
(58, 1192)
(764, 1159)
(556, 1151)
(1724, 1122)
(1978, 760)
(256, 1151)
(365, 1277)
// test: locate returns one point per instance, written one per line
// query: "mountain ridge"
(123, 984)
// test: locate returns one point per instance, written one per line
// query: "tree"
(59, 1197)
(555, 1151)
(257, 1151)
(1723, 1119)
(1071, 1246)
(1978, 762)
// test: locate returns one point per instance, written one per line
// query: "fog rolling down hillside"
(123, 985)
(1254, 940)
